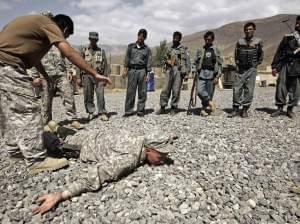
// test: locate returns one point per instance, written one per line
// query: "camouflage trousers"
(65, 89)
(172, 85)
(20, 116)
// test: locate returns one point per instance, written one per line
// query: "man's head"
(157, 158)
(142, 36)
(177, 36)
(249, 29)
(93, 37)
(209, 38)
(297, 26)
(65, 24)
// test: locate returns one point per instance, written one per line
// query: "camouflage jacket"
(112, 155)
(96, 59)
(182, 59)
(54, 63)
(219, 61)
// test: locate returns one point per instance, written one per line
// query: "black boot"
(278, 112)
(235, 112)
(174, 110)
(290, 113)
(245, 112)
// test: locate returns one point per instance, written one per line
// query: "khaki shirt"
(25, 40)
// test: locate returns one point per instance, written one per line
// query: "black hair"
(298, 18)
(177, 34)
(143, 32)
(250, 24)
(209, 34)
(64, 21)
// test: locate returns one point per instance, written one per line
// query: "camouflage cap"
(93, 35)
(160, 141)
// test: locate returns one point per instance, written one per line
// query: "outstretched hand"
(102, 78)
(47, 202)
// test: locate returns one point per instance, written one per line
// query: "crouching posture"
(209, 68)
(112, 159)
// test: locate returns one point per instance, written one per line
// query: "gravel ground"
(226, 171)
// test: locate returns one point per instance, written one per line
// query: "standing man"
(208, 62)
(55, 66)
(286, 62)
(177, 67)
(96, 58)
(136, 66)
(248, 55)
(23, 43)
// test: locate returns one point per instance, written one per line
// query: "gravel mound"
(226, 170)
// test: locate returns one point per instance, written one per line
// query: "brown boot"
(49, 164)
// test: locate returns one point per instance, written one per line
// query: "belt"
(137, 67)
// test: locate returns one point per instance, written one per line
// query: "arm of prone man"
(89, 181)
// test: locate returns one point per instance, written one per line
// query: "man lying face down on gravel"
(112, 156)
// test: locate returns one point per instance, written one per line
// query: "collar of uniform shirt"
(139, 46)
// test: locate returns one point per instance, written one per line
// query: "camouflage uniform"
(56, 68)
(138, 62)
(113, 157)
(20, 117)
(248, 55)
(96, 58)
(174, 75)
(209, 66)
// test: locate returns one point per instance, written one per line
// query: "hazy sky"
(117, 21)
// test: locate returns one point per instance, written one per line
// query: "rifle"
(193, 97)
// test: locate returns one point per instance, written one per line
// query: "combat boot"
(162, 110)
(278, 112)
(203, 113)
(104, 117)
(235, 112)
(245, 112)
(290, 113)
(49, 164)
(140, 114)
(77, 125)
(173, 111)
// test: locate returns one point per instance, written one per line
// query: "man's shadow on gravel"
(266, 110)
(194, 111)
(149, 111)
